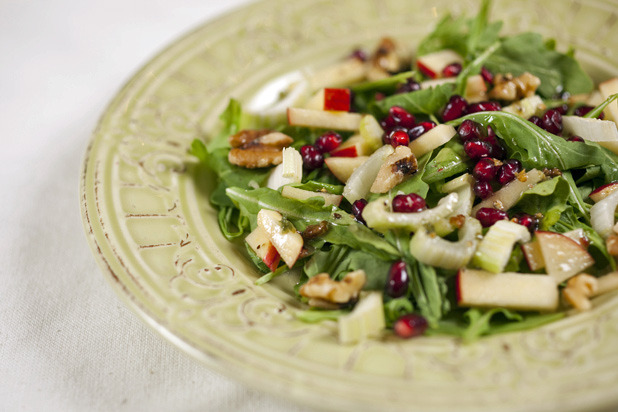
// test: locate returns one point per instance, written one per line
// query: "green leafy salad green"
(465, 190)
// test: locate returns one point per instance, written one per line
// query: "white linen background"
(67, 342)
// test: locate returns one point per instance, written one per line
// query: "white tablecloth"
(67, 342)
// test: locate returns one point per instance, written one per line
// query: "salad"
(468, 189)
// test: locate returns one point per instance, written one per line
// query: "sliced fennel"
(602, 214)
(496, 247)
(378, 214)
(433, 250)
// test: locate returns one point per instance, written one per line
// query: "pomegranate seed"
(386, 137)
(529, 221)
(398, 280)
(410, 203)
(357, 209)
(483, 107)
(536, 120)
(485, 169)
(508, 170)
(469, 130)
(497, 150)
(454, 109)
(488, 216)
(487, 75)
(483, 189)
(328, 142)
(359, 54)
(312, 158)
(401, 117)
(562, 109)
(452, 70)
(420, 129)
(399, 138)
(410, 325)
(477, 149)
(552, 121)
(575, 139)
(410, 85)
(582, 110)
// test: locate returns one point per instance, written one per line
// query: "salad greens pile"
(559, 203)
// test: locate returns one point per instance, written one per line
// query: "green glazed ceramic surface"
(157, 240)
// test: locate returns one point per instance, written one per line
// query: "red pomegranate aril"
(488, 216)
(536, 120)
(487, 75)
(583, 110)
(312, 158)
(454, 109)
(410, 325)
(508, 171)
(469, 130)
(529, 221)
(328, 142)
(482, 189)
(357, 209)
(562, 109)
(483, 107)
(410, 203)
(477, 149)
(410, 85)
(452, 70)
(575, 139)
(398, 280)
(485, 169)
(552, 121)
(399, 138)
(420, 129)
(401, 117)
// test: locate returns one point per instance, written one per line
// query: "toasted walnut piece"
(553, 172)
(321, 289)
(579, 289)
(385, 60)
(246, 136)
(256, 157)
(509, 88)
(396, 168)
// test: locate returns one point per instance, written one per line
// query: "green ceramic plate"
(157, 240)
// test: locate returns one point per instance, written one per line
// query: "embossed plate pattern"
(157, 240)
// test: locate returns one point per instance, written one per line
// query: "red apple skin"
(350, 151)
(426, 70)
(272, 258)
(602, 192)
(337, 99)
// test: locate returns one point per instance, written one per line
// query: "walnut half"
(257, 148)
(507, 87)
(579, 290)
(324, 292)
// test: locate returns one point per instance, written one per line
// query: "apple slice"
(607, 88)
(603, 132)
(327, 120)
(340, 74)
(563, 256)
(602, 214)
(602, 192)
(579, 236)
(355, 146)
(289, 171)
(258, 242)
(359, 183)
(282, 234)
(333, 99)
(365, 321)
(432, 64)
(476, 89)
(509, 194)
(330, 199)
(533, 255)
(343, 167)
(432, 139)
(518, 291)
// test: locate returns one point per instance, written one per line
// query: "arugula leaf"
(537, 148)
(528, 52)
(596, 112)
(231, 119)
(449, 161)
(425, 101)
